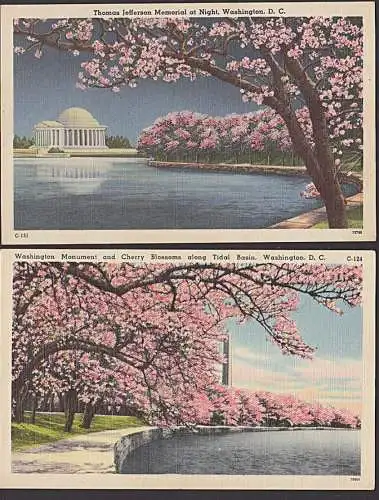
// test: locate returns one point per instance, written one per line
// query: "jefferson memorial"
(75, 129)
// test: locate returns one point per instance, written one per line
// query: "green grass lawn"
(49, 427)
(354, 216)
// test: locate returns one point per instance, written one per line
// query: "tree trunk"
(61, 403)
(335, 206)
(89, 413)
(51, 403)
(19, 395)
(18, 414)
(34, 409)
(45, 404)
(323, 171)
(70, 402)
(320, 166)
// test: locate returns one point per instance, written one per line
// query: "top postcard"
(188, 123)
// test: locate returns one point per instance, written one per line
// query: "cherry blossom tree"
(150, 334)
(189, 136)
(282, 63)
(232, 406)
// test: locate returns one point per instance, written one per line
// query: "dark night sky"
(45, 87)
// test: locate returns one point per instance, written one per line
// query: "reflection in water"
(84, 178)
(123, 193)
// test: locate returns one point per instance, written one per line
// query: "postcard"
(188, 122)
(216, 369)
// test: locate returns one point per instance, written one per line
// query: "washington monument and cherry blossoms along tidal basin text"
(206, 123)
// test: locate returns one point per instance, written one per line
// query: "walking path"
(85, 453)
(309, 219)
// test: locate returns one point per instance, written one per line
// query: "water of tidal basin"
(305, 452)
(97, 193)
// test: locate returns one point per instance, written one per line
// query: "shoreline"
(243, 168)
(355, 178)
(309, 219)
(104, 452)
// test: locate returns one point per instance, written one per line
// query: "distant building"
(226, 375)
(75, 129)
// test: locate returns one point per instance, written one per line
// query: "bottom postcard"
(187, 369)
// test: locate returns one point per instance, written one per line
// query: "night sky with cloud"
(44, 87)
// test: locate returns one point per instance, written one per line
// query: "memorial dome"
(77, 117)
